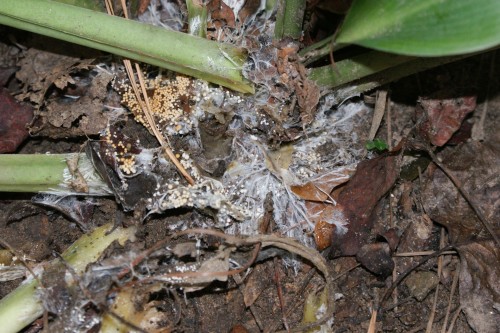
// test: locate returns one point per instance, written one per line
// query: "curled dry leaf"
(443, 116)
(14, 118)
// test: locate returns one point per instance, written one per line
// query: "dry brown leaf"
(83, 116)
(40, 69)
(319, 188)
(255, 285)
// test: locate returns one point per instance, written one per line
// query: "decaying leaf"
(479, 285)
(476, 165)
(83, 115)
(372, 180)
(443, 115)
(14, 118)
(255, 285)
(40, 69)
(6, 74)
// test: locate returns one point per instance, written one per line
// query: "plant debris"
(14, 119)
(286, 221)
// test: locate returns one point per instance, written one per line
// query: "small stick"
(420, 253)
(146, 106)
(436, 294)
(277, 279)
(452, 291)
(454, 319)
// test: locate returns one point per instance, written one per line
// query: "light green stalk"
(289, 19)
(211, 61)
(349, 70)
(48, 173)
(19, 308)
(347, 85)
(197, 18)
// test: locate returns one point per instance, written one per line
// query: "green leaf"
(423, 27)
(377, 144)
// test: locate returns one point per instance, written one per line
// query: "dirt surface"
(301, 173)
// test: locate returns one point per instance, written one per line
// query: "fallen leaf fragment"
(443, 116)
(323, 234)
(319, 188)
(376, 258)
(477, 166)
(14, 118)
(372, 180)
(479, 285)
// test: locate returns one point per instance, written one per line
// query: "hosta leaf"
(423, 27)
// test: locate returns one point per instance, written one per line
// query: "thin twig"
(373, 322)
(403, 275)
(454, 319)
(277, 279)
(452, 292)
(478, 128)
(154, 128)
(420, 253)
(430, 322)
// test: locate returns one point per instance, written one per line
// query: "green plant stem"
(349, 87)
(349, 70)
(289, 19)
(197, 18)
(19, 308)
(48, 173)
(318, 50)
(211, 61)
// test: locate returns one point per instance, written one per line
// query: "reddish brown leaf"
(443, 116)
(221, 15)
(14, 118)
